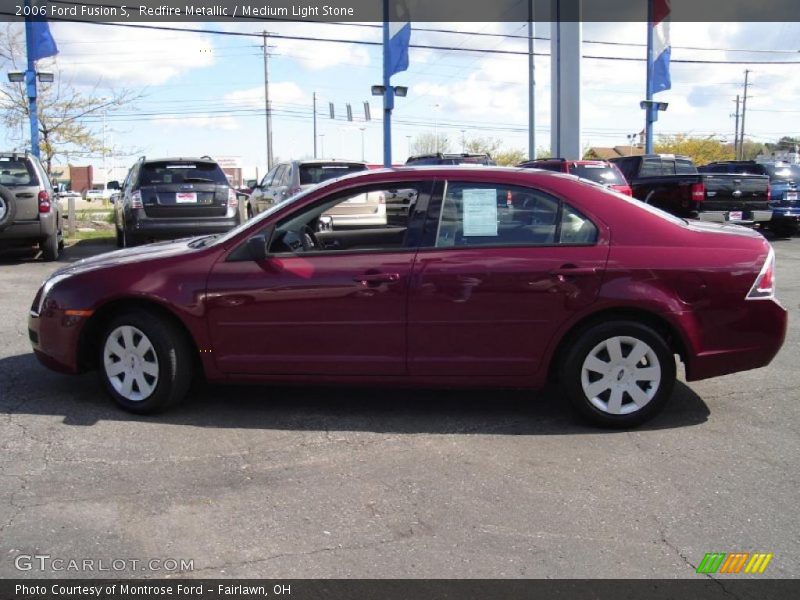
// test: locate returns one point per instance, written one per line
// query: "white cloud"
(282, 92)
(126, 56)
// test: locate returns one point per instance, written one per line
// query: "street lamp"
(16, 77)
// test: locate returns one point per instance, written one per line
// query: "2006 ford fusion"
(490, 277)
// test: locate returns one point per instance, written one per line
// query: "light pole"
(436, 126)
(362, 142)
(322, 144)
(631, 137)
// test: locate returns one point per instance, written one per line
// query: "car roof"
(317, 161)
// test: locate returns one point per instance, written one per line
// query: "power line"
(422, 46)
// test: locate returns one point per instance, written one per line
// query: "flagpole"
(30, 82)
(649, 111)
(388, 92)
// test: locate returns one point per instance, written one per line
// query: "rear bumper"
(176, 228)
(33, 229)
(786, 213)
(752, 339)
(749, 217)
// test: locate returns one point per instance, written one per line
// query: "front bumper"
(55, 338)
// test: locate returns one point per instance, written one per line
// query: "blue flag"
(399, 38)
(41, 43)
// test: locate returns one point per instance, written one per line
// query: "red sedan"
(486, 277)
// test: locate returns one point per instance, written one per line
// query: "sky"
(203, 94)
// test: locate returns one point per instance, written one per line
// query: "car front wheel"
(618, 374)
(145, 362)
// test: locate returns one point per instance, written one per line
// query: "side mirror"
(257, 246)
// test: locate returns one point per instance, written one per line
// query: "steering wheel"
(309, 239)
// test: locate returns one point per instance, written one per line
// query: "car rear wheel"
(145, 362)
(618, 374)
(50, 247)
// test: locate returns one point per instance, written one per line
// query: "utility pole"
(314, 96)
(744, 111)
(531, 83)
(267, 106)
(736, 135)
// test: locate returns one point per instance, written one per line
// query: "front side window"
(475, 214)
(375, 218)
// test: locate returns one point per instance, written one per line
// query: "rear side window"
(476, 214)
(317, 173)
(651, 168)
(156, 173)
(16, 173)
(685, 167)
(598, 173)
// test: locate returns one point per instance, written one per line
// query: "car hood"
(138, 254)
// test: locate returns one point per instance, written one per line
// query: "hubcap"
(621, 375)
(130, 363)
(3, 208)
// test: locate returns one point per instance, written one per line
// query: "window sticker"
(480, 212)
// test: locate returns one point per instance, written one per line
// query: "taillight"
(44, 202)
(769, 191)
(698, 192)
(233, 200)
(764, 285)
(136, 199)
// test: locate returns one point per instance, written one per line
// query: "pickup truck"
(673, 184)
(784, 198)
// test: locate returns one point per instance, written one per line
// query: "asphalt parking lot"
(320, 482)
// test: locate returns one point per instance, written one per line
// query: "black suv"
(449, 159)
(167, 198)
(29, 211)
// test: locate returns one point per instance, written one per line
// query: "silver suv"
(29, 210)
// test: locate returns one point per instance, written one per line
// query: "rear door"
(20, 177)
(183, 189)
(497, 279)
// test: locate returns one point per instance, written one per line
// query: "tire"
(599, 379)
(50, 247)
(8, 207)
(145, 362)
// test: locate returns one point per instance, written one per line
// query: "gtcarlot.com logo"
(46, 562)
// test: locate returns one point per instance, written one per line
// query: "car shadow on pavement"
(28, 388)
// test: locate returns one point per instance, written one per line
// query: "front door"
(330, 299)
(507, 266)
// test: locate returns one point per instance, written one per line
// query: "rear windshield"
(598, 173)
(783, 172)
(317, 173)
(181, 172)
(16, 172)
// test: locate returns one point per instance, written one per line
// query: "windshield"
(16, 172)
(317, 173)
(783, 172)
(263, 216)
(155, 173)
(599, 173)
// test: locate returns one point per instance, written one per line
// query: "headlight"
(45, 291)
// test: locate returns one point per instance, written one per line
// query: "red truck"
(673, 184)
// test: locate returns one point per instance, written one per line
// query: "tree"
(494, 148)
(62, 107)
(430, 143)
(701, 150)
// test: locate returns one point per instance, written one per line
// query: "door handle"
(377, 278)
(573, 271)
